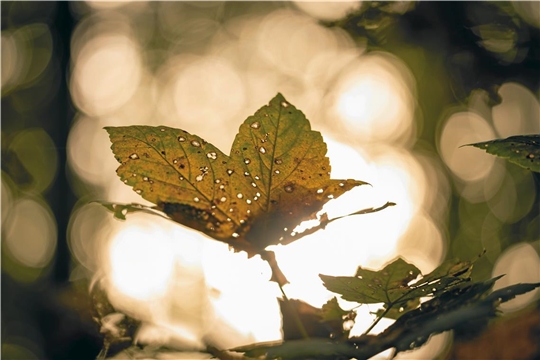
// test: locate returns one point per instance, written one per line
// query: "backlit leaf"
(397, 286)
(276, 176)
(521, 150)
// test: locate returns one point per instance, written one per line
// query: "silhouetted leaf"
(396, 285)
(522, 150)
(332, 311)
(276, 176)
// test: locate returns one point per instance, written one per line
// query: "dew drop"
(196, 199)
(262, 150)
(433, 289)
(235, 235)
(239, 195)
(284, 104)
(247, 161)
(255, 125)
(181, 178)
(276, 171)
(289, 188)
(223, 199)
(134, 175)
(181, 139)
(138, 191)
(212, 155)
(248, 202)
(253, 184)
(230, 172)
(258, 194)
(248, 211)
(231, 210)
(320, 191)
(530, 156)
(175, 161)
(330, 196)
(145, 178)
(341, 184)
(195, 143)
(221, 187)
(257, 177)
(199, 177)
(246, 173)
(255, 198)
(229, 219)
(278, 161)
(401, 309)
(242, 221)
(217, 181)
(125, 181)
(162, 129)
(134, 156)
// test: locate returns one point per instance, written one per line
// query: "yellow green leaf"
(276, 176)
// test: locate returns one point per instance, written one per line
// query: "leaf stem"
(376, 321)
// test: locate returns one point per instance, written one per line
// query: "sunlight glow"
(106, 74)
(467, 163)
(374, 98)
(142, 262)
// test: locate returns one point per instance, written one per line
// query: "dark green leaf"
(332, 311)
(370, 287)
(521, 150)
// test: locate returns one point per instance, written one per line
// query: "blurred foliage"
(454, 49)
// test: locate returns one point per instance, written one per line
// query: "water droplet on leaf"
(255, 125)
(247, 161)
(223, 199)
(196, 199)
(212, 155)
(134, 156)
(289, 188)
(239, 195)
(262, 150)
(181, 139)
(230, 172)
(195, 143)
(138, 191)
(278, 161)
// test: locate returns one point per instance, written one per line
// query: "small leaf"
(121, 210)
(521, 150)
(370, 287)
(332, 311)
(276, 176)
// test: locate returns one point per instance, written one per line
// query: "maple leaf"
(396, 285)
(276, 176)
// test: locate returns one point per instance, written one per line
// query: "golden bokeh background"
(394, 104)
